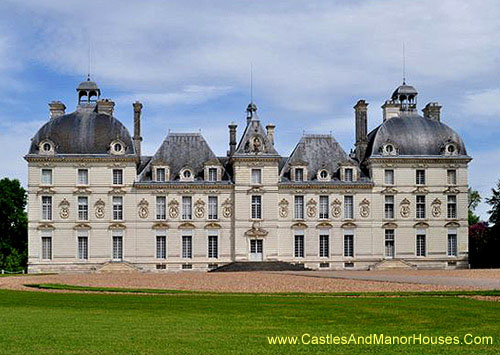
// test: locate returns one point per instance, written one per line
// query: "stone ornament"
(405, 208)
(336, 208)
(283, 208)
(227, 208)
(64, 206)
(99, 208)
(143, 211)
(199, 208)
(311, 208)
(436, 208)
(254, 145)
(364, 209)
(173, 209)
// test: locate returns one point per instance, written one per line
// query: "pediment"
(324, 225)
(117, 226)
(187, 225)
(348, 225)
(212, 225)
(45, 226)
(389, 225)
(298, 225)
(421, 225)
(452, 224)
(82, 226)
(160, 225)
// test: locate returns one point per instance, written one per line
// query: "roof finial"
(90, 61)
(251, 82)
(404, 64)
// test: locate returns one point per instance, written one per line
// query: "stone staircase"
(116, 267)
(392, 264)
(260, 266)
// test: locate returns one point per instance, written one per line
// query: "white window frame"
(82, 254)
(161, 174)
(324, 234)
(46, 237)
(389, 173)
(47, 208)
(324, 202)
(256, 176)
(79, 181)
(210, 171)
(117, 234)
(161, 208)
(117, 177)
(348, 252)
(348, 208)
(451, 177)
(420, 213)
(83, 208)
(348, 178)
(390, 235)
(298, 209)
(299, 177)
(213, 208)
(452, 248)
(161, 249)
(389, 207)
(213, 252)
(117, 213)
(299, 244)
(186, 253)
(418, 245)
(451, 207)
(187, 208)
(256, 207)
(420, 179)
(50, 181)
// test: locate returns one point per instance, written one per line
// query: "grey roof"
(317, 151)
(413, 135)
(87, 85)
(404, 90)
(83, 132)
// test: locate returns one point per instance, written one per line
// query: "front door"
(256, 247)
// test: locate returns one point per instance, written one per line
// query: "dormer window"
(323, 175)
(117, 147)
(299, 174)
(348, 175)
(46, 147)
(389, 149)
(186, 174)
(212, 174)
(450, 149)
(160, 174)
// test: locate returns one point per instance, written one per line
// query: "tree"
(494, 202)
(13, 225)
(474, 199)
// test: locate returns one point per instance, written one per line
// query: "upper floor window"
(452, 206)
(47, 208)
(117, 177)
(323, 175)
(161, 207)
(420, 177)
(212, 207)
(299, 174)
(160, 174)
(299, 207)
(420, 211)
(256, 207)
(186, 174)
(46, 176)
(117, 208)
(83, 208)
(187, 207)
(212, 174)
(348, 174)
(256, 176)
(349, 207)
(323, 207)
(389, 176)
(83, 177)
(452, 177)
(389, 207)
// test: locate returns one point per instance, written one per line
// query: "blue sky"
(189, 63)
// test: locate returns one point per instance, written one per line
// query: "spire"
(251, 112)
(404, 65)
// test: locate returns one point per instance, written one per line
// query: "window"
(256, 176)
(83, 245)
(83, 177)
(299, 246)
(349, 207)
(212, 174)
(389, 243)
(187, 247)
(348, 245)
(187, 174)
(420, 177)
(299, 207)
(452, 243)
(256, 207)
(324, 244)
(46, 245)
(83, 208)
(299, 174)
(47, 208)
(117, 245)
(324, 175)
(212, 207)
(348, 174)
(161, 207)
(117, 177)
(420, 206)
(323, 207)
(389, 207)
(46, 176)
(213, 251)
(452, 206)
(117, 208)
(420, 244)
(186, 207)
(452, 177)
(389, 177)
(160, 174)
(161, 246)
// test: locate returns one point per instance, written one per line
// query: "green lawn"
(69, 323)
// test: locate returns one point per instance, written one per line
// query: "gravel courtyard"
(313, 281)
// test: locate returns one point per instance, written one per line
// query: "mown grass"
(93, 323)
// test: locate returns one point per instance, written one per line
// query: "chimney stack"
(232, 139)
(390, 109)
(56, 109)
(361, 116)
(105, 106)
(432, 111)
(270, 132)
(137, 127)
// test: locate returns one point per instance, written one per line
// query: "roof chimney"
(361, 117)
(232, 138)
(56, 109)
(270, 132)
(390, 109)
(137, 127)
(105, 106)
(432, 111)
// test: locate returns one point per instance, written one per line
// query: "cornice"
(287, 185)
(79, 159)
(416, 160)
(183, 186)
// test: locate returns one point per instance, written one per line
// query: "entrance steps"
(116, 267)
(392, 264)
(260, 266)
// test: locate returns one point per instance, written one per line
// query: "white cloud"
(482, 103)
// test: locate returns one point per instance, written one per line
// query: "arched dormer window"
(389, 149)
(186, 174)
(323, 175)
(46, 147)
(450, 149)
(117, 147)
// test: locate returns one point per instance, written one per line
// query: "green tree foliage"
(474, 199)
(13, 225)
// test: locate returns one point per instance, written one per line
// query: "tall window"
(389, 243)
(299, 207)
(256, 206)
(256, 176)
(213, 247)
(348, 245)
(187, 246)
(83, 245)
(299, 246)
(47, 208)
(299, 174)
(117, 208)
(323, 207)
(46, 245)
(420, 177)
(324, 244)
(420, 206)
(212, 174)
(83, 177)
(117, 177)
(187, 212)
(348, 174)
(161, 246)
(452, 206)
(452, 177)
(83, 208)
(161, 207)
(212, 207)
(389, 207)
(349, 207)
(420, 245)
(46, 176)
(160, 174)
(389, 177)
(117, 245)
(452, 243)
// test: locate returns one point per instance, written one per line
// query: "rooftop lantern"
(88, 93)
(406, 96)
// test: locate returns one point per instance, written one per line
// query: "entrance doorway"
(256, 248)
(389, 243)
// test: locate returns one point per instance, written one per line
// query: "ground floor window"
(324, 245)
(299, 246)
(161, 246)
(47, 245)
(389, 243)
(213, 251)
(187, 246)
(452, 244)
(117, 246)
(349, 245)
(83, 245)
(420, 245)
